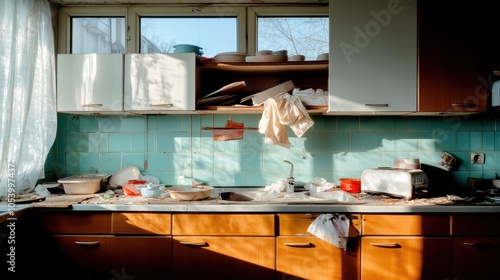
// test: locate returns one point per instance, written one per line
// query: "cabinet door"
(373, 57)
(159, 82)
(223, 257)
(89, 83)
(406, 258)
(308, 257)
(452, 77)
(108, 257)
(476, 258)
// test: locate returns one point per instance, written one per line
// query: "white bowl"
(122, 176)
(323, 56)
(297, 57)
(267, 58)
(150, 190)
(83, 183)
(230, 57)
(189, 192)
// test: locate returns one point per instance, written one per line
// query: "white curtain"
(28, 116)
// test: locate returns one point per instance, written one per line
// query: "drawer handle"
(92, 105)
(386, 245)
(377, 105)
(473, 244)
(194, 243)
(298, 244)
(464, 105)
(87, 243)
(162, 105)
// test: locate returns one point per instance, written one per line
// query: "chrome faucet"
(290, 188)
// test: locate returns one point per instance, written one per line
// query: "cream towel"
(279, 112)
(332, 228)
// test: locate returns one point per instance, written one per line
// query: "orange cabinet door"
(476, 258)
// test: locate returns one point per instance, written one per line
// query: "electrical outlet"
(476, 158)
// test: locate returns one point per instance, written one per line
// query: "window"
(98, 35)
(216, 29)
(213, 34)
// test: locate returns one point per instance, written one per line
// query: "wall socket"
(476, 158)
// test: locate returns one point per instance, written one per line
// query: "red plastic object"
(350, 185)
(131, 189)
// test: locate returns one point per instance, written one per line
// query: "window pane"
(98, 35)
(298, 35)
(213, 34)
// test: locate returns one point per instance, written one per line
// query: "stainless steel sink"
(330, 197)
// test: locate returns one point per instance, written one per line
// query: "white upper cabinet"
(90, 83)
(160, 83)
(373, 57)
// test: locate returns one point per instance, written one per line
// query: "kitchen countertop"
(368, 203)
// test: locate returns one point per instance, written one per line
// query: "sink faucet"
(290, 188)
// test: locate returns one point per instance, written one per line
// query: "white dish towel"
(332, 228)
(281, 111)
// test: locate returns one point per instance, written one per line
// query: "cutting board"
(61, 201)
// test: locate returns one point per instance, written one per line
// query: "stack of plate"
(230, 57)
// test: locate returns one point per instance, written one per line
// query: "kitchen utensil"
(150, 190)
(447, 160)
(83, 183)
(187, 48)
(132, 187)
(189, 192)
(230, 57)
(350, 184)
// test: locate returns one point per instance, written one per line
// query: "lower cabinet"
(300, 255)
(223, 246)
(476, 246)
(406, 247)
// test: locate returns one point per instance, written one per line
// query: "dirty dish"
(352, 185)
(123, 175)
(150, 190)
(189, 192)
(83, 183)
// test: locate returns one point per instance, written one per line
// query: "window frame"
(246, 15)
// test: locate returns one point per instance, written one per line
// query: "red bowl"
(350, 185)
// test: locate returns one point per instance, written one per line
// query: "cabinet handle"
(473, 244)
(194, 243)
(464, 105)
(87, 243)
(162, 105)
(386, 245)
(377, 105)
(297, 244)
(92, 105)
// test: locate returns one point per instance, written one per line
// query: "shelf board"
(251, 109)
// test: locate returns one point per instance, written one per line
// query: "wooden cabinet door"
(308, 257)
(406, 258)
(452, 77)
(476, 258)
(373, 57)
(108, 257)
(223, 257)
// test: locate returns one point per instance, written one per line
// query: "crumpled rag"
(332, 228)
(281, 111)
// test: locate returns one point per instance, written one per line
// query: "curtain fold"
(28, 116)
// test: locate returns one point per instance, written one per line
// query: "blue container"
(186, 48)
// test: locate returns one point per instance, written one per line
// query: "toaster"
(403, 183)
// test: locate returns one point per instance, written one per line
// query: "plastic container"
(352, 185)
(131, 188)
(83, 183)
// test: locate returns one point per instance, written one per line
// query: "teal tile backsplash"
(173, 147)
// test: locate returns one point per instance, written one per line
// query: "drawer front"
(76, 222)
(223, 224)
(394, 224)
(475, 224)
(297, 224)
(142, 223)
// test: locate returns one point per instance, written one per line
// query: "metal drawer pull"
(377, 105)
(476, 244)
(162, 105)
(297, 244)
(194, 243)
(464, 105)
(386, 245)
(87, 243)
(92, 105)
